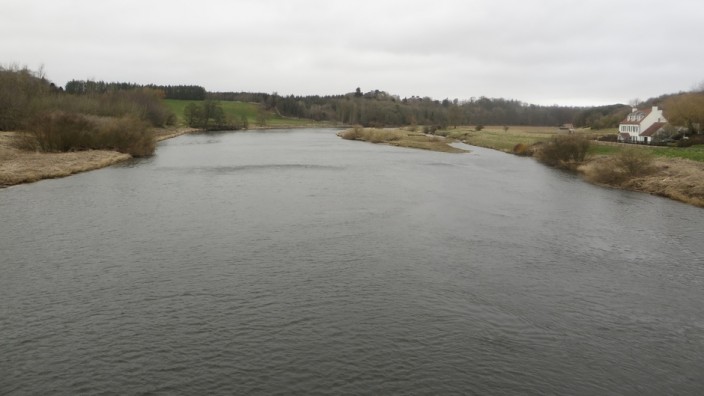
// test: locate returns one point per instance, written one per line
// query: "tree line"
(51, 119)
(89, 87)
(379, 108)
(373, 108)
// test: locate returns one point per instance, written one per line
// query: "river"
(295, 262)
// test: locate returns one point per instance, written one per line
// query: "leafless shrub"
(635, 162)
(626, 165)
(564, 151)
(523, 150)
(60, 131)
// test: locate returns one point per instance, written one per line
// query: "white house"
(641, 125)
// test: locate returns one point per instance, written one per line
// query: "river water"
(295, 262)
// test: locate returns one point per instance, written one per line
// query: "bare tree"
(686, 110)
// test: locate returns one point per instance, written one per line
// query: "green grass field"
(497, 138)
(694, 153)
(235, 111)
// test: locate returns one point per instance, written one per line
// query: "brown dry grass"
(675, 178)
(20, 166)
(168, 133)
(401, 138)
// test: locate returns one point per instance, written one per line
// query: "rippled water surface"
(294, 262)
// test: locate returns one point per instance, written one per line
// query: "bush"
(209, 115)
(126, 135)
(150, 107)
(522, 150)
(352, 134)
(376, 136)
(606, 173)
(564, 151)
(431, 129)
(608, 138)
(60, 131)
(685, 143)
(690, 141)
(635, 162)
(622, 167)
(442, 132)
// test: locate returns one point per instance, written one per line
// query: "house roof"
(645, 113)
(652, 129)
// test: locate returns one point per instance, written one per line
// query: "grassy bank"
(672, 172)
(500, 138)
(400, 138)
(674, 178)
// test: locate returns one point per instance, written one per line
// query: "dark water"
(300, 263)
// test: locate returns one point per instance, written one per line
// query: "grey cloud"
(548, 51)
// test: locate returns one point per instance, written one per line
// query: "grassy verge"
(401, 138)
(693, 153)
(501, 139)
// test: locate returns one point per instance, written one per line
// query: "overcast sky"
(586, 52)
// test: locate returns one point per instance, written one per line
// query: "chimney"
(634, 109)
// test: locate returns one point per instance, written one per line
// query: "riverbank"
(20, 166)
(671, 173)
(674, 173)
(674, 178)
(401, 138)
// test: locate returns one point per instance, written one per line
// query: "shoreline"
(674, 178)
(22, 167)
(677, 179)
